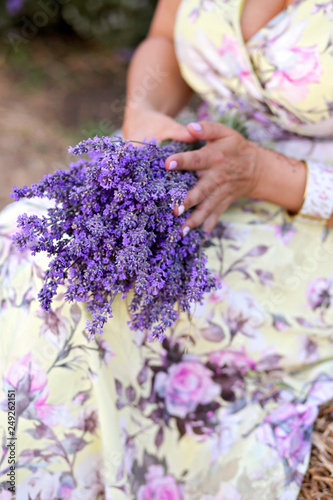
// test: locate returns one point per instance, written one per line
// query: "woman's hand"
(150, 124)
(227, 169)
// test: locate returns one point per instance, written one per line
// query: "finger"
(168, 130)
(197, 217)
(179, 132)
(209, 131)
(207, 215)
(199, 159)
(212, 220)
(203, 190)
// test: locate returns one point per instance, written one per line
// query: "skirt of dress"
(221, 410)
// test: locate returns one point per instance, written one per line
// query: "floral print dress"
(223, 409)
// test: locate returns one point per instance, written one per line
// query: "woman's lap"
(222, 409)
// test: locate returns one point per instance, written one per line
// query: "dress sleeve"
(318, 196)
(318, 157)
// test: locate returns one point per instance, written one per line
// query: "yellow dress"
(223, 408)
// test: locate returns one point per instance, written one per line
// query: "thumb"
(208, 131)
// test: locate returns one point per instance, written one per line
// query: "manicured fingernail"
(173, 165)
(186, 230)
(181, 209)
(196, 126)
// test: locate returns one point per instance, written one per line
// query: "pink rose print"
(301, 67)
(193, 17)
(52, 415)
(13, 260)
(42, 485)
(54, 328)
(205, 5)
(285, 233)
(159, 486)
(66, 492)
(308, 350)
(320, 293)
(245, 315)
(30, 381)
(186, 385)
(27, 371)
(206, 70)
(321, 391)
(128, 445)
(280, 322)
(208, 5)
(5, 495)
(232, 64)
(237, 359)
(88, 420)
(266, 278)
(90, 475)
(104, 351)
(297, 67)
(230, 231)
(80, 398)
(286, 430)
(326, 8)
(217, 296)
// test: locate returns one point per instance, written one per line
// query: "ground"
(53, 94)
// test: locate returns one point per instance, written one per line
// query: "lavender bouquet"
(111, 230)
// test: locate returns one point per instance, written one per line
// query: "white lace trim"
(318, 201)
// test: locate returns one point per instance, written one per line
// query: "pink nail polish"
(186, 230)
(173, 165)
(196, 126)
(181, 209)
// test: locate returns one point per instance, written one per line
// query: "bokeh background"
(63, 70)
(63, 67)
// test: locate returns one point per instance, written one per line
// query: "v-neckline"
(247, 49)
(257, 33)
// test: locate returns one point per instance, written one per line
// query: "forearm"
(154, 80)
(282, 180)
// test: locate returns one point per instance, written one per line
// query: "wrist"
(301, 201)
(280, 180)
(134, 120)
(134, 109)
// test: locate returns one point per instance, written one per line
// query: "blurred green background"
(115, 23)
(63, 67)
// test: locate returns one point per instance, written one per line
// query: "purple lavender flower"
(112, 230)
(14, 7)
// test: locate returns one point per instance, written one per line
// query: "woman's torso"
(283, 71)
(257, 13)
